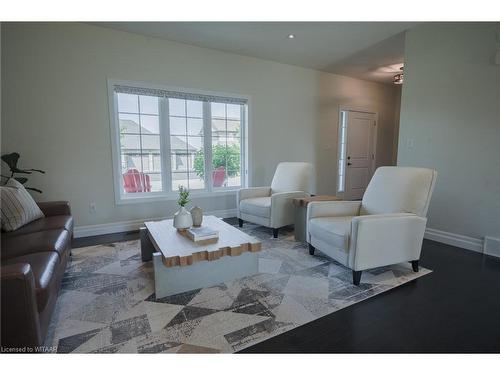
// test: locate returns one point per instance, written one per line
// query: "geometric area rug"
(107, 302)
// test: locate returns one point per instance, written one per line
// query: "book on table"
(202, 234)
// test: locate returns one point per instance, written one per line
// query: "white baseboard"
(126, 226)
(465, 242)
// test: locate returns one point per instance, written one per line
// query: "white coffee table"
(181, 265)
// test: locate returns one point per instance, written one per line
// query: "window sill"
(173, 197)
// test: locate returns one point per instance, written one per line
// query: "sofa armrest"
(379, 240)
(55, 208)
(253, 192)
(282, 208)
(333, 208)
(20, 324)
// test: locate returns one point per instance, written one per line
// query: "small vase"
(197, 215)
(182, 219)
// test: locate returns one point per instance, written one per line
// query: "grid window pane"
(187, 145)
(218, 110)
(226, 145)
(146, 163)
(179, 145)
(233, 178)
(233, 111)
(179, 161)
(225, 161)
(194, 143)
(150, 164)
(179, 179)
(195, 181)
(150, 124)
(129, 123)
(195, 126)
(194, 108)
(139, 143)
(219, 141)
(148, 104)
(177, 107)
(155, 182)
(150, 143)
(177, 125)
(233, 129)
(218, 126)
(128, 103)
(130, 143)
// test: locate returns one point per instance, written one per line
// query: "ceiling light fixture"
(398, 78)
(291, 36)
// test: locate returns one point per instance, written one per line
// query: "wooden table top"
(178, 250)
(302, 202)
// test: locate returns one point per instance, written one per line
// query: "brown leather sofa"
(33, 261)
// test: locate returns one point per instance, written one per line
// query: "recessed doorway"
(356, 152)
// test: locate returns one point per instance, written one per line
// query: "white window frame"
(167, 195)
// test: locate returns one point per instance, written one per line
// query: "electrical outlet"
(92, 207)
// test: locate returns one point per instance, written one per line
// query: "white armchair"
(272, 206)
(386, 227)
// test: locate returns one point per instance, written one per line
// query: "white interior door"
(360, 128)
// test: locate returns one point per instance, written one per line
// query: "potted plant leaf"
(11, 160)
(182, 218)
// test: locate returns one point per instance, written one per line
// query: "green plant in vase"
(182, 218)
(183, 196)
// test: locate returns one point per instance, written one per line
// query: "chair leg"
(356, 277)
(414, 264)
(311, 249)
(275, 232)
(240, 223)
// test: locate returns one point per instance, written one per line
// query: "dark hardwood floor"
(456, 308)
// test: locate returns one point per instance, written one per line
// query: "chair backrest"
(136, 182)
(398, 190)
(218, 176)
(295, 176)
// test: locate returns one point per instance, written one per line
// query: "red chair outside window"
(136, 182)
(218, 176)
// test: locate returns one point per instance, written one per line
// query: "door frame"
(352, 108)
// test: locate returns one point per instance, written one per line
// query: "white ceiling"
(367, 50)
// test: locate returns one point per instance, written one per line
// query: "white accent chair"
(386, 227)
(272, 206)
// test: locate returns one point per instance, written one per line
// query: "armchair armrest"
(282, 209)
(20, 325)
(253, 192)
(55, 208)
(379, 240)
(333, 208)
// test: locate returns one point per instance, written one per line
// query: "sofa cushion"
(256, 206)
(18, 207)
(46, 223)
(333, 230)
(44, 266)
(57, 240)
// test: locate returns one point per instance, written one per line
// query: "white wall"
(451, 112)
(335, 91)
(55, 109)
